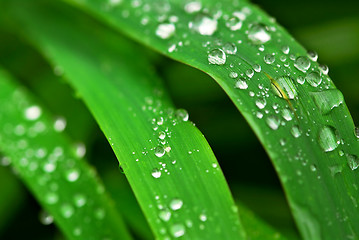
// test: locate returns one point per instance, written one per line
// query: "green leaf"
(171, 168)
(65, 185)
(270, 78)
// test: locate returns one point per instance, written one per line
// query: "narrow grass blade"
(167, 161)
(285, 95)
(64, 184)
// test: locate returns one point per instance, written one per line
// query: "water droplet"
(257, 67)
(324, 69)
(295, 131)
(230, 48)
(203, 217)
(335, 169)
(284, 87)
(182, 114)
(301, 80)
(67, 210)
(49, 167)
(353, 161)
(165, 215)
(217, 56)
(356, 132)
(177, 230)
(234, 23)
(162, 135)
(100, 213)
(302, 63)
(46, 218)
(32, 113)
(287, 114)
(327, 100)
(176, 204)
(241, 84)
(156, 173)
(72, 175)
(261, 103)
(314, 78)
(273, 122)
(80, 150)
(249, 73)
(258, 33)
(233, 74)
(51, 198)
(327, 139)
(165, 30)
(312, 55)
(269, 58)
(5, 161)
(60, 124)
(80, 200)
(285, 49)
(159, 151)
(193, 7)
(204, 25)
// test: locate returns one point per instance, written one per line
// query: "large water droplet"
(353, 161)
(176, 204)
(46, 218)
(327, 139)
(32, 113)
(324, 69)
(60, 124)
(67, 210)
(72, 175)
(241, 84)
(204, 25)
(312, 55)
(327, 100)
(193, 7)
(302, 63)
(234, 23)
(314, 78)
(287, 114)
(273, 122)
(217, 56)
(51, 198)
(296, 132)
(80, 200)
(269, 58)
(182, 114)
(261, 103)
(160, 151)
(156, 173)
(177, 230)
(165, 215)
(165, 30)
(230, 48)
(284, 87)
(258, 33)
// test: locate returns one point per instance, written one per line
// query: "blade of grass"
(179, 185)
(309, 134)
(64, 184)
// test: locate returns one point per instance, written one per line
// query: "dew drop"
(314, 78)
(67, 210)
(234, 23)
(46, 218)
(335, 169)
(233, 74)
(159, 151)
(302, 63)
(182, 115)
(301, 80)
(241, 84)
(356, 132)
(217, 57)
(203, 217)
(60, 124)
(249, 73)
(327, 139)
(295, 131)
(258, 33)
(165, 30)
(273, 122)
(312, 55)
(193, 7)
(287, 114)
(285, 49)
(204, 25)
(269, 58)
(80, 200)
(165, 215)
(257, 67)
(324, 69)
(230, 48)
(51, 198)
(261, 103)
(327, 100)
(72, 175)
(177, 230)
(176, 204)
(353, 161)
(32, 113)
(156, 173)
